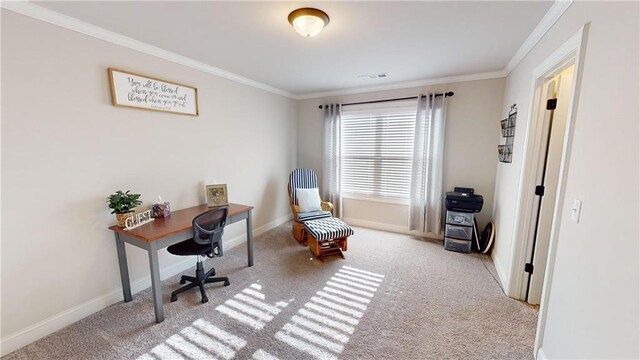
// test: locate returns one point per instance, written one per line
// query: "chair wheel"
(174, 298)
(227, 283)
(183, 281)
(204, 300)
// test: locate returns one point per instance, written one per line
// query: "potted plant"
(122, 204)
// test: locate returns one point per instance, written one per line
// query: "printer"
(463, 200)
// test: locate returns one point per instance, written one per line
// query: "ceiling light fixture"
(308, 22)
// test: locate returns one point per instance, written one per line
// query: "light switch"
(575, 210)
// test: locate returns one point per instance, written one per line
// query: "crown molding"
(37, 12)
(553, 14)
(406, 84)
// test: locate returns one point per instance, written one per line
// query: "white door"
(555, 123)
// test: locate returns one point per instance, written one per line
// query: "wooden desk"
(164, 232)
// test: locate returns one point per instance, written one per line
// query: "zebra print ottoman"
(327, 236)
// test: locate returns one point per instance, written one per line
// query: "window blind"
(377, 151)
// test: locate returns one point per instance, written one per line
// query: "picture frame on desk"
(217, 195)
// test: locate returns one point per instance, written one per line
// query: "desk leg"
(155, 282)
(249, 239)
(124, 269)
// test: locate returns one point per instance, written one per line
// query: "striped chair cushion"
(328, 229)
(312, 215)
(302, 179)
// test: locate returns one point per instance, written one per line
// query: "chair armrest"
(295, 209)
(326, 206)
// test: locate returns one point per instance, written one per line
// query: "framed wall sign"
(144, 92)
(217, 195)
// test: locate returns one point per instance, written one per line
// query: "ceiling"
(408, 40)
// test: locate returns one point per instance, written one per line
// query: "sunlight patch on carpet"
(263, 355)
(250, 308)
(322, 327)
(201, 340)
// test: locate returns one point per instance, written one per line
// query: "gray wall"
(593, 310)
(472, 136)
(65, 148)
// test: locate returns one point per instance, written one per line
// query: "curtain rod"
(447, 94)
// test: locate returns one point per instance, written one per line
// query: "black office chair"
(207, 238)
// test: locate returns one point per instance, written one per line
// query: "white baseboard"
(389, 227)
(76, 313)
(264, 228)
(540, 355)
(63, 319)
(501, 274)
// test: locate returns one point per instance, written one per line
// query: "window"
(377, 151)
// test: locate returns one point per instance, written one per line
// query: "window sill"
(376, 199)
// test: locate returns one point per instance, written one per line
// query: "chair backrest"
(301, 179)
(209, 226)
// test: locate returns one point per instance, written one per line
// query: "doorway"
(555, 99)
(567, 58)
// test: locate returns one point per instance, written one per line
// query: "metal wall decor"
(508, 129)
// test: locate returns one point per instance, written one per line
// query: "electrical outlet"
(575, 210)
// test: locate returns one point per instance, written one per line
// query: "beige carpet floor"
(394, 297)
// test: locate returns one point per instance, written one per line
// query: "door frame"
(572, 51)
(538, 248)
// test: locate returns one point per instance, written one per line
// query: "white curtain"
(331, 158)
(425, 204)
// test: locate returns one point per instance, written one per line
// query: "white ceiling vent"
(374, 76)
